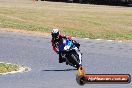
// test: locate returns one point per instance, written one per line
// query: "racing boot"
(61, 59)
(66, 63)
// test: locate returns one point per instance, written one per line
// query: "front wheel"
(75, 59)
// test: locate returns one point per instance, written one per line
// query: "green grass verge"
(9, 23)
(8, 67)
(92, 21)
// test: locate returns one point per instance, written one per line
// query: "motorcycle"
(70, 53)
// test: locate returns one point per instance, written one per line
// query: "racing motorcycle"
(70, 53)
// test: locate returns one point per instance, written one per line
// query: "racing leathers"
(55, 45)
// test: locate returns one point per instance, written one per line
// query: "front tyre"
(75, 61)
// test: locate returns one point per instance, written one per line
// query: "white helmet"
(55, 33)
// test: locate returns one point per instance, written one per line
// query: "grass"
(8, 67)
(82, 20)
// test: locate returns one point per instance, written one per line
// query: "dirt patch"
(123, 40)
(24, 31)
(44, 33)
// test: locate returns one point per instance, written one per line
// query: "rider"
(56, 37)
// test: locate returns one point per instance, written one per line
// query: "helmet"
(55, 33)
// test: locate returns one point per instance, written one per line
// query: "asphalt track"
(36, 52)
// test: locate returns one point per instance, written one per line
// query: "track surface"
(36, 53)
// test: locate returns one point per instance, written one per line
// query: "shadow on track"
(61, 70)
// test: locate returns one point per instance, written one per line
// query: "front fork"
(80, 56)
